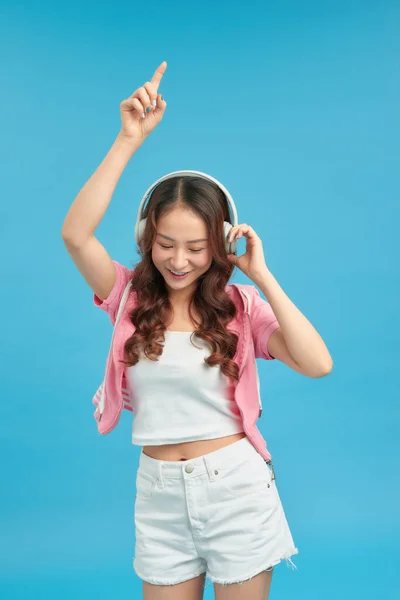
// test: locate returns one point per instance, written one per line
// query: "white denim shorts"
(218, 514)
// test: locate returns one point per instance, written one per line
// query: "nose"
(180, 263)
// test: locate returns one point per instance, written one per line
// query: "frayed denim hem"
(270, 566)
(211, 580)
(158, 581)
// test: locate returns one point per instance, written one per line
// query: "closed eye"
(167, 247)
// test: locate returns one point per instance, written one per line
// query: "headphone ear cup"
(229, 246)
(140, 230)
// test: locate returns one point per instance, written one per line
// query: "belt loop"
(160, 480)
(210, 472)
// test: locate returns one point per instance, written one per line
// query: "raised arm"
(140, 114)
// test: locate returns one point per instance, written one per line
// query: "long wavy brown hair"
(210, 299)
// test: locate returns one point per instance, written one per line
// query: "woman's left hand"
(252, 263)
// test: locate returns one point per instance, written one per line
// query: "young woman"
(182, 359)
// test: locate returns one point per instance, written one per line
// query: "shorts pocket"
(144, 485)
(247, 478)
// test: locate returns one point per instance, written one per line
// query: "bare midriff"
(189, 450)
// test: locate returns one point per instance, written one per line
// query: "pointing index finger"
(159, 73)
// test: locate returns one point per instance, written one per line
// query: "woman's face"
(174, 248)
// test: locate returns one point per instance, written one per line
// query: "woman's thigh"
(192, 589)
(256, 588)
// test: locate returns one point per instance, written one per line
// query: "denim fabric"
(219, 513)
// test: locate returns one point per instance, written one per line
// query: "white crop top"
(179, 398)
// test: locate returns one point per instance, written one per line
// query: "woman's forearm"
(91, 203)
(304, 343)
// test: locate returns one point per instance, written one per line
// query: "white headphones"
(141, 222)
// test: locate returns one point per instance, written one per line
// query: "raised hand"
(143, 111)
(252, 263)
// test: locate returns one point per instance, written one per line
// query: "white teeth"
(175, 273)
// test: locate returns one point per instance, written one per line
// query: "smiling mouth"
(182, 275)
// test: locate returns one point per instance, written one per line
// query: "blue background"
(294, 107)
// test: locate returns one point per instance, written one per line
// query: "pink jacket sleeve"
(263, 324)
(111, 303)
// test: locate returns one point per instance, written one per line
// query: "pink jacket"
(254, 323)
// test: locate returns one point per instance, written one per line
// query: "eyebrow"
(188, 241)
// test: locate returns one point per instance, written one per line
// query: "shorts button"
(189, 468)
